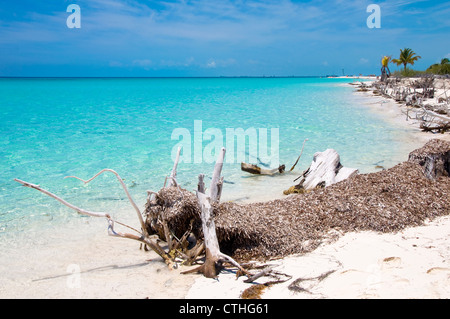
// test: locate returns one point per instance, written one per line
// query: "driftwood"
(325, 170)
(173, 174)
(255, 169)
(434, 127)
(434, 157)
(432, 121)
(293, 166)
(432, 117)
(199, 222)
(214, 257)
(142, 236)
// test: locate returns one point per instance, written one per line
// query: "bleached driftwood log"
(325, 170)
(255, 169)
(214, 257)
(172, 178)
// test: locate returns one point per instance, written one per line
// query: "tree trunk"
(434, 157)
(211, 266)
(214, 256)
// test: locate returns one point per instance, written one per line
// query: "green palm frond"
(385, 61)
(407, 56)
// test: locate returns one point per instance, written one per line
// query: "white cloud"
(145, 64)
(363, 61)
(211, 64)
(142, 63)
(215, 63)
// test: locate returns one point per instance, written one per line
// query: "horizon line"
(182, 77)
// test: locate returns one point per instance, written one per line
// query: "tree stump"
(326, 169)
(434, 157)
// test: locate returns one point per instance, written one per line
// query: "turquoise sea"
(52, 128)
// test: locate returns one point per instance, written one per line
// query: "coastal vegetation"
(441, 69)
(385, 72)
(408, 56)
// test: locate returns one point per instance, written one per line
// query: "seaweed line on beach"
(385, 201)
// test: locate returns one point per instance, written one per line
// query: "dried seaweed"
(385, 201)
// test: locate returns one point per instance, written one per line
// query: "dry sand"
(414, 263)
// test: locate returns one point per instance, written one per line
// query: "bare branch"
(153, 245)
(258, 275)
(214, 188)
(234, 262)
(142, 238)
(141, 220)
(59, 199)
(293, 166)
(173, 175)
(149, 195)
(201, 183)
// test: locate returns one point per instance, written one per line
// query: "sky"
(148, 38)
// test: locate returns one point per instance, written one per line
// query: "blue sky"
(216, 38)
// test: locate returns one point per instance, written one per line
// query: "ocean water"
(52, 128)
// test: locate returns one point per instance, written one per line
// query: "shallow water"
(52, 128)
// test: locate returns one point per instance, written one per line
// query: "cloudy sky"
(216, 38)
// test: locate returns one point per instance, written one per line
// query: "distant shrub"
(407, 73)
(440, 69)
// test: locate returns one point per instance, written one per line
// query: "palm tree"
(445, 61)
(407, 56)
(385, 72)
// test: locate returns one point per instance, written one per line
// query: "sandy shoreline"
(87, 267)
(395, 113)
(414, 263)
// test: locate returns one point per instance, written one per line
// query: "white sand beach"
(396, 113)
(414, 263)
